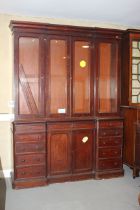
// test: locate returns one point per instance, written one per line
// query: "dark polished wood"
(109, 148)
(130, 107)
(131, 116)
(67, 103)
(136, 168)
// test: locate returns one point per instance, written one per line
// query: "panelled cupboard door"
(59, 153)
(83, 151)
(107, 93)
(57, 82)
(29, 72)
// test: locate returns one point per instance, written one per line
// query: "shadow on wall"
(2, 189)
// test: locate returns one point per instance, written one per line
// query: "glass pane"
(135, 72)
(107, 78)
(29, 75)
(81, 77)
(58, 76)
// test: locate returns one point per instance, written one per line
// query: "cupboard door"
(58, 75)
(108, 92)
(81, 77)
(83, 151)
(30, 98)
(59, 156)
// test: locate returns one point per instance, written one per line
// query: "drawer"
(109, 164)
(110, 123)
(30, 172)
(59, 126)
(110, 132)
(109, 152)
(30, 137)
(83, 125)
(30, 147)
(110, 141)
(30, 128)
(22, 160)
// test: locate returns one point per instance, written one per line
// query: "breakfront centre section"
(67, 103)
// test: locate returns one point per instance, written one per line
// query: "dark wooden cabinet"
(67, 95)
(130, 99)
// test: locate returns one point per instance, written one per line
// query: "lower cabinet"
(29, 154)
(70, 151)
(50, 152)
(109, 148)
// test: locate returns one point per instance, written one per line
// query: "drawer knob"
(84, 139)
(104, 142)
(23, 173)
(23, 161)
(116, 163)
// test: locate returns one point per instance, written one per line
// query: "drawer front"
(110, 124)
(70, 126)
(22, 160)
(30, 147)
(83, 125)
(59, 126)
(109, 152)
(30, 172)
(30, 128)
(110, 141)
(110, 132)
(109, 164)
(29, 137)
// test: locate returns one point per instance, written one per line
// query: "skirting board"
(6, 173)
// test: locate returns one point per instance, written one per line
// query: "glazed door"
(83, 151)
(59, 153)
(57, 84)
(135, 70)
(107, 92)
(81, 77)
(29, 72)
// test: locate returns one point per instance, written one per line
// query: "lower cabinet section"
(109, 148)
(47, 152)
(70, 151)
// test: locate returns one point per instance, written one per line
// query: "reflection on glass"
(58, 76)
(81, 77)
